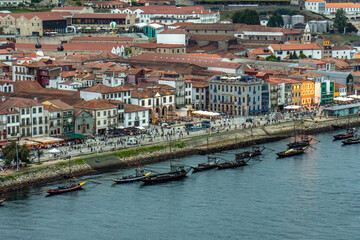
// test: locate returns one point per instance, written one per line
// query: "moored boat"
(139, 175)
(176, 173)
(3, 200)
(212, 163)
(349, 134)
(305, 141)
(66, 188)
(351, 141)
(232, 164)
(256, 151)
(291, 152)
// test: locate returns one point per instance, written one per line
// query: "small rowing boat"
(139, 175)
(256, 151)
(3, 200)
(66, 188)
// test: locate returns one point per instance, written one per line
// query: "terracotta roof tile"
(94, 104)
(134, 108)
(100, 88)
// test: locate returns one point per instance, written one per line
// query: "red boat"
(64, 189)
(349, 133)
(2, 200)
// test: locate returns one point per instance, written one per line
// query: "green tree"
(301, 56)
(247, 16)
(340, 20)
(285, 11)
(78, 3)
(272, 58)
(350, 28)
(275, 21)
(9, 154)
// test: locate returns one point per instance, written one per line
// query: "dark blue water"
(312, 196)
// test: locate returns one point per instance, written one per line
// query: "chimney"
(35, 99)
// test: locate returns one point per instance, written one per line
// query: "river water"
(311, 196)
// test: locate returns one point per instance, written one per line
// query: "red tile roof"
(134, 108)
(94, 104)
(75, 46)
(157, 45)
(47, 16)
(100, 88)
(102, 39)
(173, 31)
(69, 8)
(286, 47)
(100, 15)
(187, 58)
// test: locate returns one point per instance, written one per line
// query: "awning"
(292, 107)
(343, 99)
(75, 136)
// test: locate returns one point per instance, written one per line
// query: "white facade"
(122, 96)
(104, 118)
(70, 86)
(137, 119)
(6, 87)
(6, 58)
(344, 54)
(114, 79)
(199, 98)
(188, 93)
(311, 53)
(317, 6)
(172, 38)
(12, 125)
(13, 2)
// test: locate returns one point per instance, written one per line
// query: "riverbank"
(108, 161)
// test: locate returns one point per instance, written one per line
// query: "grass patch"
(6, 178)
(339, 38)
(137, 151)
(180, 145)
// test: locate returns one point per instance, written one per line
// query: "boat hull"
(2, 200)
(350, 141)
(60, 190)
(342, 136)
(128, 180)
(232, 164)
(165, 177)
(289, 154)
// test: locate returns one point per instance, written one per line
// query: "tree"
(272, 58)
(301, 56)
(285, 11)
(340, 20)
(9, 154)
(78, 3)
(275, 21)
(247, 16)
(350, 28)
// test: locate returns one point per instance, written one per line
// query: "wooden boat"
(256, 151)
(3, 200)
(176, 173)
(66, 188)
(351, 141)
(305, 141)
(139, 175)
(232, 164)
(212, 163)
(291, 152)
(349, 134)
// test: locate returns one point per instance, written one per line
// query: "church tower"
(307, 35)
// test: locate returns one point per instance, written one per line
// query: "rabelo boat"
(212, 163)
(176, 173)
(66, 188)
(292, 152)
(139, 175)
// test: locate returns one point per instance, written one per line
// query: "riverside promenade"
(110, 159)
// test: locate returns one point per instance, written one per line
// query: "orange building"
(307, 92)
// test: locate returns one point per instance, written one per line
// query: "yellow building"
(296, 93)
(307, 92)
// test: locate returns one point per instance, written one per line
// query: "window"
(34, 110)
(34, 131)
(34, 120)
(22, 111)
(170, 99)
(98, 114)
(98, 122)
(40, 109)
(164, 99)
(104, 122)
